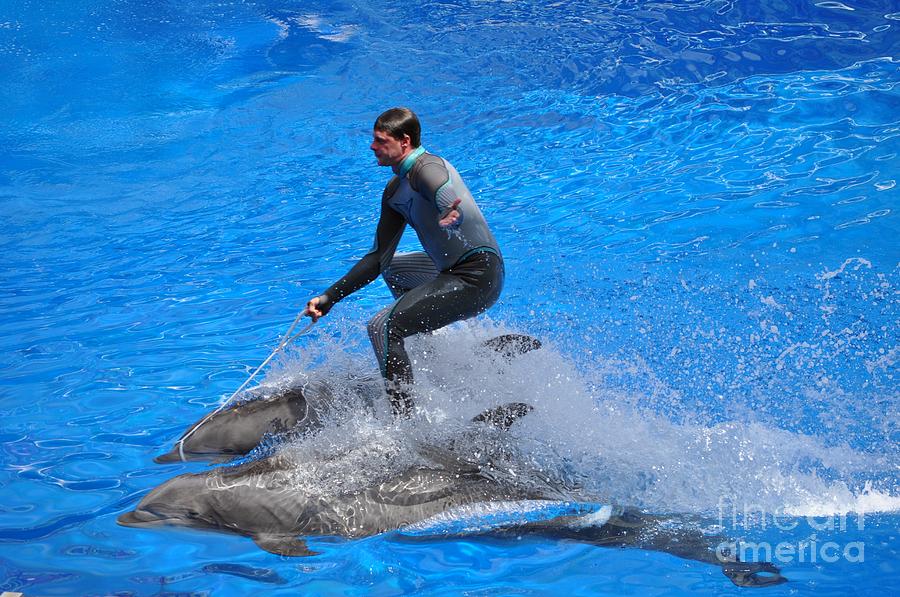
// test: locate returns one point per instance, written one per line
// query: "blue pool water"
(696, 201)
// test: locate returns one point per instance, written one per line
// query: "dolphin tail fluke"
(753, 574)
(283, 545)
(505, 415)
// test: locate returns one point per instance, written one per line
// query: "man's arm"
(433, 182)
(387, 237)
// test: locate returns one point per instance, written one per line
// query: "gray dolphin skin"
(261, 498)
(258, 500)
(236, 430)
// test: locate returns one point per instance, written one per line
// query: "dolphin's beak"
(223, 455)
(168, 457)
(140, 518)
(132, 519)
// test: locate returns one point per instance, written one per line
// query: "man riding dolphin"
(460, 273)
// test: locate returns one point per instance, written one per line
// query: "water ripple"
(666, 181)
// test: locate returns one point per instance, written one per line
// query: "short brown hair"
(397, 122)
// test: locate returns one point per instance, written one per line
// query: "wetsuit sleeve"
(433, 183)
(387, 237)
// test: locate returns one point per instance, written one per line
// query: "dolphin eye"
(193, 514)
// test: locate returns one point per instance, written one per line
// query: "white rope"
(285, 340)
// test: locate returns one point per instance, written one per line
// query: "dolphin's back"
(419, 494)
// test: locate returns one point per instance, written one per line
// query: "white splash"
(594, 442)
(840, 501)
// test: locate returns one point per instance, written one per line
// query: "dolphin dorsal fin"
(502, 417)
(283, 545)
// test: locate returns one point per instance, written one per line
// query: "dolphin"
(237, 430)
(615, 526)
(257, 499)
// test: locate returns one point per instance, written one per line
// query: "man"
(459, 275)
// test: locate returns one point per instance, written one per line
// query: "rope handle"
(286, 339)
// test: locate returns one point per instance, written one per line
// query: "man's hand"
(318, 306)
(451, 216)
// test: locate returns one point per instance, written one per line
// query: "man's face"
(388, 150)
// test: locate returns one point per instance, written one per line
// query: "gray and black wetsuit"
(459, 275)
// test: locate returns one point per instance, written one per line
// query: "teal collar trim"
(407, 164)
